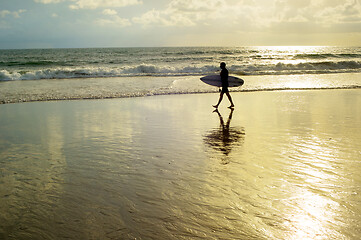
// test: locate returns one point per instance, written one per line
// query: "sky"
(157, 23)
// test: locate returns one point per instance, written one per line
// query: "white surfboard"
(215, 80)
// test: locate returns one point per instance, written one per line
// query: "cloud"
(15, 14)
(181, 13)
(3, 13)
(109, 12)
(164, 18)
(48, 1)
(4, 24)
(262, 16)
(311, 17)
(93, 4)
(317, 11)
(341, 13)
(195, 5)
(112, 20)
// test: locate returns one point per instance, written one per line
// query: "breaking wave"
(301, 68)
(154, 70)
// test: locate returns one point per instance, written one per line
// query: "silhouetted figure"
(224, 78)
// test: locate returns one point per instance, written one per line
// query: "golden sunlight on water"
(282, 165)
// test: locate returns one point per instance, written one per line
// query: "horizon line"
(244, 46)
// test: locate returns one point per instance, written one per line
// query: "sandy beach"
(282, 165)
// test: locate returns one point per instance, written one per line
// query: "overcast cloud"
(118, 23)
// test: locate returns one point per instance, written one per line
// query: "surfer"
(224, 78)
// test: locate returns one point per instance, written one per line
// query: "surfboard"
(215, 80)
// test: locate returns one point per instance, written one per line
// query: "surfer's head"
(223, 65)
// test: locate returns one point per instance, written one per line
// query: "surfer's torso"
(224, 79)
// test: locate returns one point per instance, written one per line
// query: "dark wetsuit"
(224, 78)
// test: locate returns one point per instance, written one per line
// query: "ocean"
(50, 74)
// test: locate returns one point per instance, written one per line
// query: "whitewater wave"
(96, 72)
(299, 68)
(154, 70)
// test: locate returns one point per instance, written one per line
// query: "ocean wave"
(96, 72)
(299, 68)
(155, 70)
(327, 56)
(30, 63)
(342, 65)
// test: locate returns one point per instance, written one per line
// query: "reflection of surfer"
(226, 137)
(224, 79)
(225, 128)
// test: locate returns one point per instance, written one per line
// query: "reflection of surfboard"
(215, 80)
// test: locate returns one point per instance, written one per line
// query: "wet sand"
(282, 165)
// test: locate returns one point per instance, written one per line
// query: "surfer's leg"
(230, 100)
(220, 100)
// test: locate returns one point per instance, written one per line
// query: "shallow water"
(283, 165)
(124, 87)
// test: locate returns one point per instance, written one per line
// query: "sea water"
(34, 64)
(54, 74)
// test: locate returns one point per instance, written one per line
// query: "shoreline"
(128, 87)
(175, 94)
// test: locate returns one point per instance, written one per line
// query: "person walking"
(224, 78)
